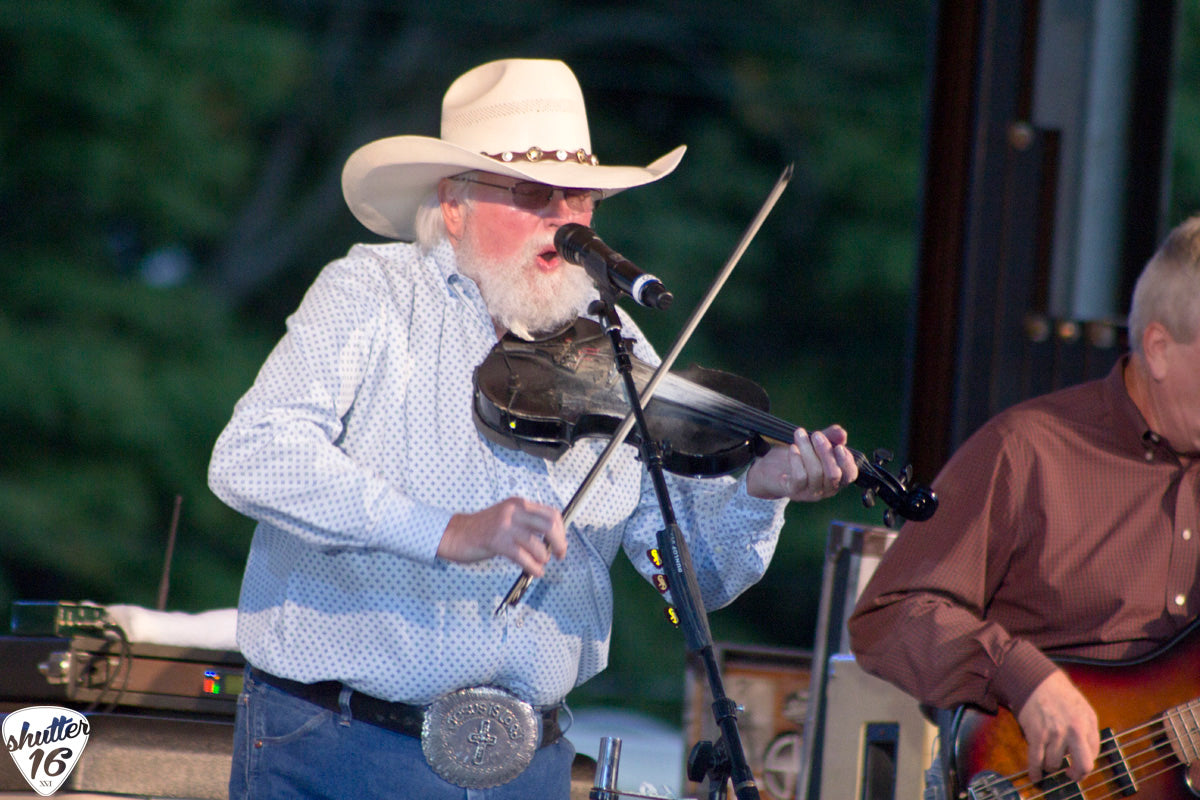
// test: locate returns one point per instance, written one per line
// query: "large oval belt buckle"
(480, 737)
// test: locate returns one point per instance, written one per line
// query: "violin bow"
(522, 583)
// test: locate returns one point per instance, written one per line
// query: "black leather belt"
(399, 717)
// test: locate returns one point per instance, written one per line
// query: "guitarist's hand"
(1059, 721)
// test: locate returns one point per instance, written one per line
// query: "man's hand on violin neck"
(520, 530)
(813, 467)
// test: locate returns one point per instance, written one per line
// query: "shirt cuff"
(757, 506)
(413, 530)
(1021, 671)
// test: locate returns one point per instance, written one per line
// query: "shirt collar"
(443, 258)
(1149, 442)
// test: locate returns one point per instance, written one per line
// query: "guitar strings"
(1138, 772)
(1176, 714)
(997, 785)
(1136, 736)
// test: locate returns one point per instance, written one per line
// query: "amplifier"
(161, 714)
(851, 555)
(91, 673)
(80, 655)
(877, 744)
(107, 673)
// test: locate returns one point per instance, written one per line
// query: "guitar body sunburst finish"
(1152, 708)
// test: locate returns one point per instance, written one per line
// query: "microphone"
(580, 245)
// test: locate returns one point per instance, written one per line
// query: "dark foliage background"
(170, 186)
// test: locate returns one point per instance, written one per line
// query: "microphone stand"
(726, 759)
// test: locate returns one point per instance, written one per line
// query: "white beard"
(521, 298)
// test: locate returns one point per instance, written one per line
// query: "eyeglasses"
(532, 196)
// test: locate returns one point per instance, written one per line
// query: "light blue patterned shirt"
(355, 446)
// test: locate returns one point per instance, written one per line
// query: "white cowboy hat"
(518, 117)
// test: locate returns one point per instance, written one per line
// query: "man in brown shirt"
(1069, 525)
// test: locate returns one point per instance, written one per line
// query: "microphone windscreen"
(570, 241)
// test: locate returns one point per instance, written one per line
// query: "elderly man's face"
(509, 251)
(505, 229)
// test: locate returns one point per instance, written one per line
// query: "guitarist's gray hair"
(1168, 290)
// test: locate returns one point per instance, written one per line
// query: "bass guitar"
(1149, 710)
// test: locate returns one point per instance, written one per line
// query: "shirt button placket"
(1184, 556)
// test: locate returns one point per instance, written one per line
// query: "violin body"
(542, 396)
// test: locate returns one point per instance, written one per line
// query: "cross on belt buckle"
(480, 737)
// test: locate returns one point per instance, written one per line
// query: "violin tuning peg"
(868, 498)
(906, 475)
(881, 456)
(889, 518)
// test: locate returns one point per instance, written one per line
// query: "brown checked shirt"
(1065, 527)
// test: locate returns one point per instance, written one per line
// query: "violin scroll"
(916, 503)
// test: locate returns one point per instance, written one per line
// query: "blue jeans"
(285, 747)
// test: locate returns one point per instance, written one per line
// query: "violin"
(542, 396)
